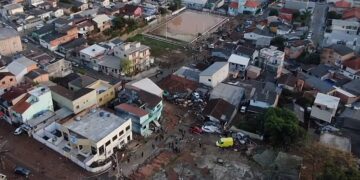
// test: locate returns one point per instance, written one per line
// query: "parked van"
(225, 142)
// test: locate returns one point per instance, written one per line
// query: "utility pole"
(118, 174)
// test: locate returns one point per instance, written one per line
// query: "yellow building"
(105, 92)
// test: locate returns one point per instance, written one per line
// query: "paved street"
(318, 22)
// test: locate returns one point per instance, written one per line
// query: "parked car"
(22, 171)
(241, 137)
(210, 129)
(21, 129)
(195, 130)
(211, 123)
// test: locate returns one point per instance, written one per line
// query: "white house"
(11, 9)
(344, 26)
(350, 40)
(88, 139)
(324, 107)
(214, 74)
(31, 105)
(238, 63)
(257, 34)
(89, 54)
(272, 59)
(146, 85)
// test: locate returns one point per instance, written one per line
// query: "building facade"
(10, 42)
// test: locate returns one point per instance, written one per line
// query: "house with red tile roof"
(343, 4)
(287, 14)
(352, 14)
(244, 7)
(20, 105)
(351, 68)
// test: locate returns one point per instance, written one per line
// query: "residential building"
(89, 54)
(10, 98)
(249, 6)
(291, 83)
(110, 65)
(280, 28)
(221, 53)
(71, 48)
(263, 96)
(317, 85)
(322, 71)
(131, 11)
(352, 14)
(102, 21)
(294, 49)
(349, 40)
(137, 53)
(7, 80)
(189, 73)
(220, 111)
(298, 4)
(352, 87)
(214, 74)
(88, 139)
(37, 76)
(105, 92)
(76, 101)
(142, 107)
(325, 107)
(238, 63)
(272, 60)
(61, 36)
(145, 84)
(233, 8)
(10, 42)
(230, 93)
(248, 52)
(21, 66)
(57, 68)
(287, 14)
(351, 68)
(30, 105)
(11, 9)
(336, 54)
(86, 27)
(35, 2)
(253, 72)
(194, 4)
(258, 34)
(344, 26)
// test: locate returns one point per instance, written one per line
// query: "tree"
(333, 15)
(274, 12)
(126, 66)
(312, 58)
(279, 42)
(119, 22)
(131, 25)
(74, 9)
(334, 171)
(282, 127)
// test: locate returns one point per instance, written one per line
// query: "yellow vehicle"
(225, 142)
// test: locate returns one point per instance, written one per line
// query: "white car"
(210, 129)
(18, 131)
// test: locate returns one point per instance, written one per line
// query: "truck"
(225, 142)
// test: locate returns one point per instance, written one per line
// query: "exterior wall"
(345, 99)
(59, 68)
(103, 26)
(71, 35)
(7, 82)
(294, 52)
(10, 46)
(77, 105)
(58, 13)
(329, 56)
(44, 103)
(105, 96)
(41, 78)
(216, 78)
(322, 114)
(140, 59)
(348, 27)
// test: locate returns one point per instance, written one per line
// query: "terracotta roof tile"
(132, 109)
(22, 105)
(252, 4)
(353, 63)
(342, 4)
(234, 5)
(351, 13)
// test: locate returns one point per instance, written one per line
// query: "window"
(101, 150)
(3, 82)
(93, 150)
(107, 143)
(100, 99)
(209, 80)
(127, 128)
(77, 107)
(114, 138)
(11, 79)
(128, 138)
(66, 137)
(121, 133)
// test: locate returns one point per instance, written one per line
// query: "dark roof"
(22, 105)
(117, 41)
(82, 81)
(35, 73)
(341, 49)
(319, 85)
(353, 87)
(64, 81)
(150, 99)
(62, 21)
(219, 109)
(13, 93)
(289, 80)
(226, 52)
(48, 28)
(4, 74)
(243, 50)
(51, 36)
(263, 32)
(74, 43)
(320, 70)
(71, 95)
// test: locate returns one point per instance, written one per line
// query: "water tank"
(101, 114)
(108, 115)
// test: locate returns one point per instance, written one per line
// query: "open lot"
(42, 161)
(188, 25)
(158, 48)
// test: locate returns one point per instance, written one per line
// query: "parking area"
(43, 162)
